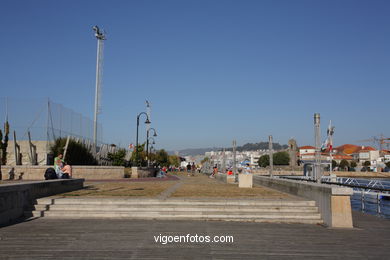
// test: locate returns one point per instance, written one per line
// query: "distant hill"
(259, 146)
(245, 147)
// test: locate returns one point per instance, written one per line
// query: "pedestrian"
(193, 169)
(215, 171)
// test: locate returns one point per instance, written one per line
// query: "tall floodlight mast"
(99, 70)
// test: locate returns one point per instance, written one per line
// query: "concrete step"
(188, 208)
(175, 215)
(286, 211)
(212, 202)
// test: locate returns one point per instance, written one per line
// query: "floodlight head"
(98, 34)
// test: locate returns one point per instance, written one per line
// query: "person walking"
(215, 171)
(188, 169)
(193, 169)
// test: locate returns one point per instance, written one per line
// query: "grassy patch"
(202, 186)
(135, 189)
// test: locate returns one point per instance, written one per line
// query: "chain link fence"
(45, 120)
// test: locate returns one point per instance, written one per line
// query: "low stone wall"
(221, 177)
(28, 172)
(143, 172)
(16, 198)
(332, 201)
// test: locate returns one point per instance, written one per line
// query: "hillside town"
(363, 157)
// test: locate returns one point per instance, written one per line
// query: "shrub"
(118, 158)
(264, 160)
(76, 154)
(281, 158)
(367, 163)
(344, 164)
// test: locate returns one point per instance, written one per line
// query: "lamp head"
(147, 121)
(155, 134)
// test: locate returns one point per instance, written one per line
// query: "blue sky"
(213, 70)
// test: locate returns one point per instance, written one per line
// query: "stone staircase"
(281, 211)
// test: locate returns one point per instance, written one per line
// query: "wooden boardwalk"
(134, 239)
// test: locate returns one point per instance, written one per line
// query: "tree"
(162, 158)
(344, 164)
(141, 155)
(353, 164)
(174, 160)
(388, 164)
(334, 164)
(206, 159)
(281, 158)
(367, 164)
(4, 144)
(117, 158)
(264, 160)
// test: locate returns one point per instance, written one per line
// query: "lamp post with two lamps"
(136, 143)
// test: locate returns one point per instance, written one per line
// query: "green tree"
(206, 159)
(162, 158)
(367, 164)
(264, 160)
(281, 158)
(117, 158)
(141, 155)
(344, 164)
(174, 160)
(76, 154)
(4, 144)
(388, 164)
(353, 164)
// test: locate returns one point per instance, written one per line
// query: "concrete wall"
(28, 172)
(332, 201)
(19, 197)
(265, 172)
(338, 173)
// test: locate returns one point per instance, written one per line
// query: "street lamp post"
(147, 142)
(147, 146)
(136, 142)
(151, 149)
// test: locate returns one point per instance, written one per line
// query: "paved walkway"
(134, 239)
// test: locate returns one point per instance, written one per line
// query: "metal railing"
(370, 196)
(372, 203)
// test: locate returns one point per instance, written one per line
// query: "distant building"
(293, 152)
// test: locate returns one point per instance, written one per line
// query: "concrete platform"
(134, 239)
